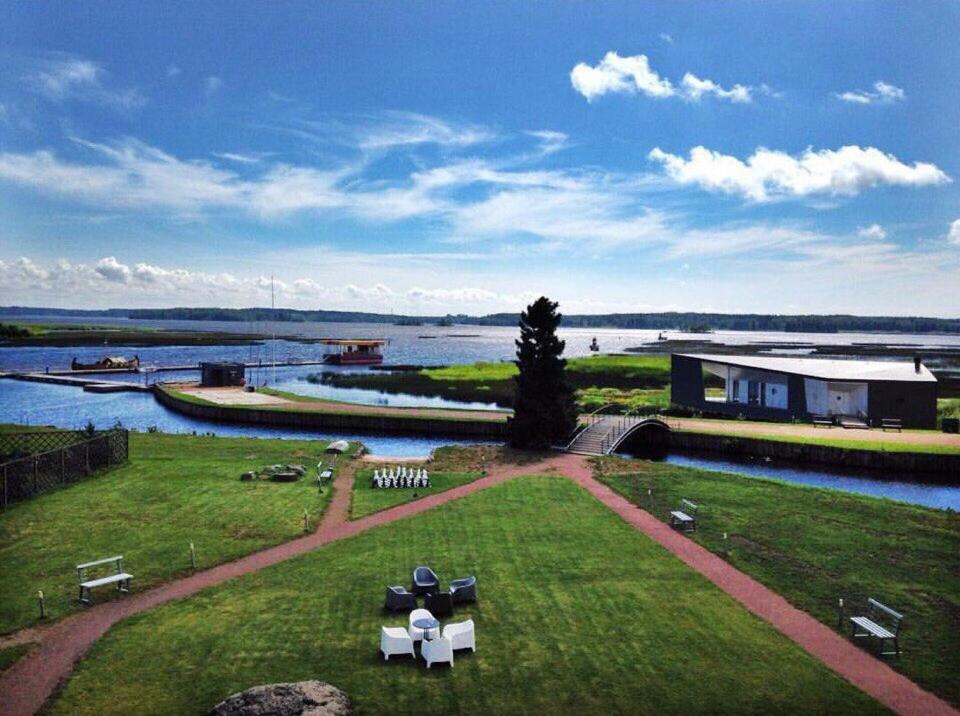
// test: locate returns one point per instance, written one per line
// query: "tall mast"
(273, 342)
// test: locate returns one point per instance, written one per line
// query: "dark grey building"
(781, 388)
(221, 374)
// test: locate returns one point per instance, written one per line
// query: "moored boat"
(343, 351)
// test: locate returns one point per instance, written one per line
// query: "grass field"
(578, 613)
(73, 334)
(367, 500)
(879, 443)
(175, 490)
(626, 380)
(12, 654)
(814, 546)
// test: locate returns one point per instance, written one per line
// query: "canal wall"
(340, 422)
(945, 465)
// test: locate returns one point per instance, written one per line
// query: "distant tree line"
(698, 322)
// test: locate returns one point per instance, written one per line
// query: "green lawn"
(367, 499)
(176, 489)
(814, 546)
(12, 654)
(875, 444)
(578, 613)
(628, 380)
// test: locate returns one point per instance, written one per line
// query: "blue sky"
(435, 157)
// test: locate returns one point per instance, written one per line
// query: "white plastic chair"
(437, 650)
(395, 640)
(415, 632)
(461, 635)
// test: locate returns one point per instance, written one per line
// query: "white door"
(839, 402)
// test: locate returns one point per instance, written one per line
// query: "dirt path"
(28, 684)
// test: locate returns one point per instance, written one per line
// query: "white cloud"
(212, 85)
(874, 231)
(768, 174)
(62, 77)
(883, 93)
(953, 235)
(618, 74)
(238, 157)
(695, 88)
(666, 37)
(400, 129)
(112, 270)
(633, 74)
(173, 71)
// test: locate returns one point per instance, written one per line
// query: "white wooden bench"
(881, 623)
(685, 516)
(822, 421)
(119, 577)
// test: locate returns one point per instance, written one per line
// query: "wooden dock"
(91, 385)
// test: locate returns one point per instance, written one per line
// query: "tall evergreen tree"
(544, 411)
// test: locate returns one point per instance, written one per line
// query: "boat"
(348, 351)
(108, 363)
(662, 337)
(595, 346)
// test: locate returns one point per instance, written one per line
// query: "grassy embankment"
(69, 334)
(830, 438)
(628, 381)
(175, 490)
(339, 407)
(628, 630)
(815, 546)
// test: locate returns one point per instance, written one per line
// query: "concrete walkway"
(27, 685)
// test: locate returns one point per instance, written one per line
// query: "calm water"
(873, 483)
(68, 407)
(35, 403)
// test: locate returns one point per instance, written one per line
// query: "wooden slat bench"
(822, 421)
(119, 577)
(685, 516)
(891, 424)
(880, 623)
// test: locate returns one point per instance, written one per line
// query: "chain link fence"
(46, 460)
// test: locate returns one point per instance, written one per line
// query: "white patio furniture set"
(401, 477)
(436, 646)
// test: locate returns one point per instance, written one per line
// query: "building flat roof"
(825, 368)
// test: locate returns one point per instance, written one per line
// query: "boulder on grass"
(304, 698)
(299, 469)
(249, 475)
(285, 476)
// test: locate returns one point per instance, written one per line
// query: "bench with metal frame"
(685, 516)
(822, 421)
(119, 577)
(891, 424)
(880, 623)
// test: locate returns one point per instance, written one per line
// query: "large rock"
(304, 698)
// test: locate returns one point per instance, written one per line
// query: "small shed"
(215, 375)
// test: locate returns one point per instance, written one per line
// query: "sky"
(444, 157)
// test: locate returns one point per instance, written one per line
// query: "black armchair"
(425, 581)
(399, 599)
(440, 604)
(464, 590)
